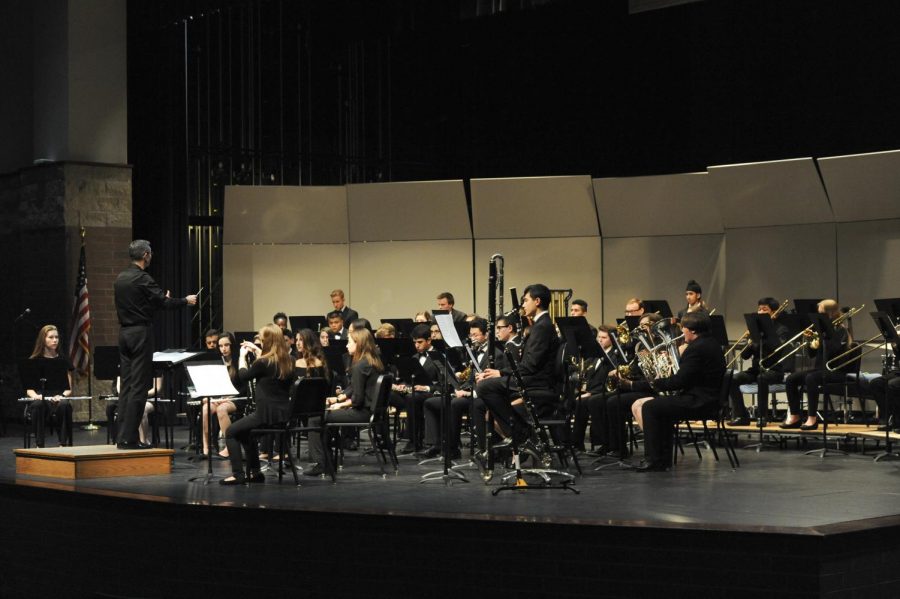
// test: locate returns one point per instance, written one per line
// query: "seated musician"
(223, 406)
(445, 301)
(323, 337)
(578, 308)
(423, 317)
(461, 401)
(55, 402)
(634, 307)
(280, 320)
(508, 336)
(811, 379)
(112, 410)
(615, 408)
(336, 327)
(386, 331)
(697, 385)
(310, 360)
(347, 313)
(501, 394)
(593, 387)
(411, 397)
(273, 371)
(211, 338)
(693, 294)
(354, 405)
(762, 377)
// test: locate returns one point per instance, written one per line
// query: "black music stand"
(762, 329)
(717, 329)
(393, 349)
(404, 326)
(450, 340)
(313, 323)
(661, 306)
(205, 386)
(825, 329)
(807, 306)
(241, 336)
(886, 327)
(166, 362)
(891, 306)
(42, 374)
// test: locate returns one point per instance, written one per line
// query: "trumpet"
(855, 353)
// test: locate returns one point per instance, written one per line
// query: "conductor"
(137, 297)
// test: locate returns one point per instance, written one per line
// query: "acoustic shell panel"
(765, 194)
(563, 263)
(867, 268)
(276, 214)
(260, 280)
(396, 279)
(662, 205)
(659, 268)
(863, 186)
(788, 262)
(417, 210)
(533, 207)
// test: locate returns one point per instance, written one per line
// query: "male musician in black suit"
(697, 385)
(337, 331)
(412, 399)
(462, 399)
(501, 395)
(818, 375)
(762, 377)
(693, 295)
(594, 390)
(348, 314)
(508, 336)
(445, 301)
(137, 297)
(578, 308)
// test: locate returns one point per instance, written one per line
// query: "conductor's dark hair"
(447, 296)
(421, 331)
(541, 292)
(582, 303)
(137, 249)
(480, 324)
(769, 301)
(696, 321)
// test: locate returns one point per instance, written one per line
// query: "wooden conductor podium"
(92, 461)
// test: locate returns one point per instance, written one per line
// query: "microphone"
(23, 315)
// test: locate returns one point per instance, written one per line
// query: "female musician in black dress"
(224, 406)
(354, 405)
(311, 357)
(56, 401)
(273, 371)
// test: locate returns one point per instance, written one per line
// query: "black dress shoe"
(651, 467)
(237, 480)
(810, 427)
(316, 470)
(133, 445)
(789, 425)
(745, 421)
(257, 477)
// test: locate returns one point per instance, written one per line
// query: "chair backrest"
(308, 396)
(725, 389)
(382, 395)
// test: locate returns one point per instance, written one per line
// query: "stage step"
(92, 461)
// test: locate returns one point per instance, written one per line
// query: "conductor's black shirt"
(138, 297)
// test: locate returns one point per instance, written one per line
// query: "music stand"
(392, 349)
(717, 329)
(404, 326)
(762, 329)
(313, 322)
(661, 306)
(451, 339)
(891, 306)
(886, 327)
(807, 306)
(241, 336)
(43, 374)
(209, 379)
(166, 361)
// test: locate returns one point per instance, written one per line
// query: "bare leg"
(636, 410)
(223, 409)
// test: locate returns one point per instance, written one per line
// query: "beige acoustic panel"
(764, 194)
(868, 268)
(396, 279)
(277, 214)
(417, 210)
(662, 205)
(237, 287)
(295, 279)
(658, 268)
(863, 186)
(562, 263)
(533, 207)
(788, 262)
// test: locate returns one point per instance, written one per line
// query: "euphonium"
(623, 334)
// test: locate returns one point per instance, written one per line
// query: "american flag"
(79, 345)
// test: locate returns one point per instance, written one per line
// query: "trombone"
(813, 338)
(746, 334)
(846, 358)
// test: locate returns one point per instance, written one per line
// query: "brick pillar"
(41, 211)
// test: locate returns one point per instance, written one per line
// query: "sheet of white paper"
(173, 357)
(210, 380)
(448, 331)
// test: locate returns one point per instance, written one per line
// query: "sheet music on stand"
(210, 379)
(175, 356)
(448, 329)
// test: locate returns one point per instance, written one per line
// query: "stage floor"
(778, 490)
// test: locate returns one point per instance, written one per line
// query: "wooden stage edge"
(92, 461)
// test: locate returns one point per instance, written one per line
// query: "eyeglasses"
(503, 326)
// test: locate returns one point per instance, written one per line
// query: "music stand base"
(447, 477)
(887, 456)
(825, 452)
(544, 474)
